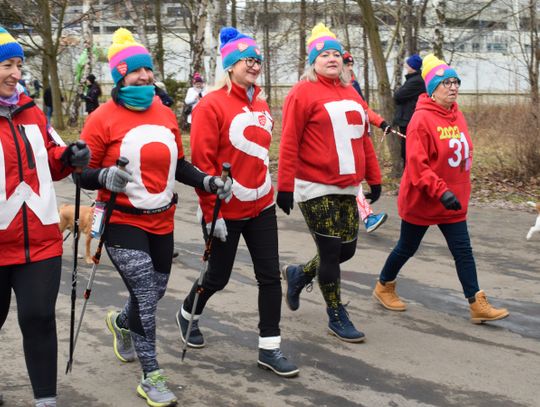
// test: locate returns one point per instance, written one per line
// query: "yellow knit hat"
(126, 55)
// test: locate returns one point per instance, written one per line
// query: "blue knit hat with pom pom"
(235, 46)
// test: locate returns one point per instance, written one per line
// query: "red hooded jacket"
(29, 163)
(439, 158)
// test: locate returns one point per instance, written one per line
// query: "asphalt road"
(430, 355)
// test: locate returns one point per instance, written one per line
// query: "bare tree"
(266, 45)
(385, 94)
(160, 51)
(302, 38)
(88, 36)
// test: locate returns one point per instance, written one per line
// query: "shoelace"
(483, 302)
(126, 338)
(159, 381)
(278, 354)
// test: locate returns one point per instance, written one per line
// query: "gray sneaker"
(122, 344)
(155, 391)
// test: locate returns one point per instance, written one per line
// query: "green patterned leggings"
(333, 222)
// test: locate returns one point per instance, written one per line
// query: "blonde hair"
(226, 80)
(310, 75)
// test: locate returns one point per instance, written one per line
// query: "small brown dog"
(86, 215)
(536, 227)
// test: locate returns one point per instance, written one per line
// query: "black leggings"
(260, 235)
(36, 289)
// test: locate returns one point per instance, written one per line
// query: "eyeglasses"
(251, 62)
(447, 83)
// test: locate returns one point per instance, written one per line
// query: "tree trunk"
(160, 52)
(88, 35)
(233, 13)
(51, 51)
(218, 19)
(385, 93)
(266, 46)
(365, 47)
(438, 34)
(198, 25)
(302, 52)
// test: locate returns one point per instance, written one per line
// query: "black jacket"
(406, 97)
(92, 97)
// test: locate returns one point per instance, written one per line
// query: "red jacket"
(439, 158)
(29, 163)
(150, 140)
(324, 137)
(227, 127)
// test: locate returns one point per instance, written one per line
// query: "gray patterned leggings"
(144, 262)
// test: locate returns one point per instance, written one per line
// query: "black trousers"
(260, 235)
(36, 288)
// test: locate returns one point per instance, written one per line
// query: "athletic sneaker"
(154, 390)
(373, 221)
(122, 344)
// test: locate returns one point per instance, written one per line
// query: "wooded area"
(60, 30)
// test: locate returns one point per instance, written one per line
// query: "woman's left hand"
(374, 194)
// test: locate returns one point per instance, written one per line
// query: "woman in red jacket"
(324, 155)
(32, 156)
(435, 189)
(233, 124)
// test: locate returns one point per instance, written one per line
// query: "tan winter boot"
(481, 310)
(387, 297)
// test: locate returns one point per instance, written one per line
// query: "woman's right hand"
(114, 178)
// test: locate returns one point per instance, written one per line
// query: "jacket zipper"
(28, 147)
(21, 179)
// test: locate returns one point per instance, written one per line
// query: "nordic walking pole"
(77, 179)
(121, 163)
(225, 171)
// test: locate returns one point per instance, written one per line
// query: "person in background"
(435, 190)
(93, 92)
(48, 104)
(324, 154)
(37, 89)
(32, 157)
(161, 92)
(371, 220)
(233, 124)
(194, 95)
(139, 238)
(406, 96)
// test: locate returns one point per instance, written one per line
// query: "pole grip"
(80, 144)
(225, 171)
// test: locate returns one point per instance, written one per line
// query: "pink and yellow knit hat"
(322, 39)
(9, 48)
(125, 55)
(434, 71)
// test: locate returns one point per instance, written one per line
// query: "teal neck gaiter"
(137, 98)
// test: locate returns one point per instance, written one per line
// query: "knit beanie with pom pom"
(125, 55)
(235, 46)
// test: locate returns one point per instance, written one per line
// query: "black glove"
(76, 155)
(450, 202)
(374, 194)
(385, 127)
(285, 200)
